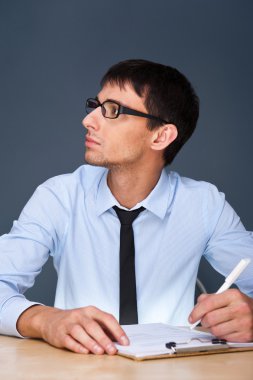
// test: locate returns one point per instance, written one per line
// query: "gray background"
(53, 54)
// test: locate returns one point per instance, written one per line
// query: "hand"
(82, 330)
(228, 315)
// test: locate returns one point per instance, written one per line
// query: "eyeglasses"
(111, 110)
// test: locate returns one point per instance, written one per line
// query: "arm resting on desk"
(80, 330)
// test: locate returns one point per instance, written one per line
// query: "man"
(138, 122)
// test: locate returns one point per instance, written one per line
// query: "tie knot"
(127, 217)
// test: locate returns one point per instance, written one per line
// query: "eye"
(112, 110)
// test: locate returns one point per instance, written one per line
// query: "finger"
(86, 340)
(208, 304)
(202, 297)
(72, 345)
(110, 323)
(222, 330)
(239, 336)
(236, 325)
(233, 337)
(95, 331)
(217, 317)
(116, 334)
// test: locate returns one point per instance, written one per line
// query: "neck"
(130, 186)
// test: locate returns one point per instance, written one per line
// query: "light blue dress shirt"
(71, 218)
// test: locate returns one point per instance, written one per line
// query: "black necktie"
(128, 303)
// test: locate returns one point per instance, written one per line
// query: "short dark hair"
(168, 95)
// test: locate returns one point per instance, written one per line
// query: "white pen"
(230, 279)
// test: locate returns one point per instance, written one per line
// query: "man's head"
(150, 88)
(167, 94)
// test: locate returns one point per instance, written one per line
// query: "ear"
(163, 136)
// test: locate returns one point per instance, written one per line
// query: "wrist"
(30, 322)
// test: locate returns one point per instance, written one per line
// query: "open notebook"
(149, 341)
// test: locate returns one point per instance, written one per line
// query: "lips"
(90, 140)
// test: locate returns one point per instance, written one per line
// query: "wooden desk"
(34, 359)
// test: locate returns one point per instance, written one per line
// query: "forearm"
(21, 261)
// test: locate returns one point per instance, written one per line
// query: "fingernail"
(83, 350)
(190, 319)
(111, 349)
(98, 350)
(124, 340)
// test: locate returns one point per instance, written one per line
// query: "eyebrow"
(113, 100)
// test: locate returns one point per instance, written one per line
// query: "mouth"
(89, 142)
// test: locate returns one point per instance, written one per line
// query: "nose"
(91, 120)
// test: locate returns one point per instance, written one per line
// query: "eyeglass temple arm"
(129, 111)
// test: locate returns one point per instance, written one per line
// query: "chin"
(93, 160)
(99, 160)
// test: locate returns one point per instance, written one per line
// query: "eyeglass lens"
(109, 109)
(91, 104)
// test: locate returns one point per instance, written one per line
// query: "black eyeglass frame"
(123, 110)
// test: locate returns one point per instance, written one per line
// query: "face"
(123, 141)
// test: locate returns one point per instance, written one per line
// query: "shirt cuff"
(245, 286)
(10, 313)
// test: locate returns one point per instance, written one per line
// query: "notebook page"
(150, 339)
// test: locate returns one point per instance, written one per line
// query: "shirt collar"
(105, 200)
(156, 202)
